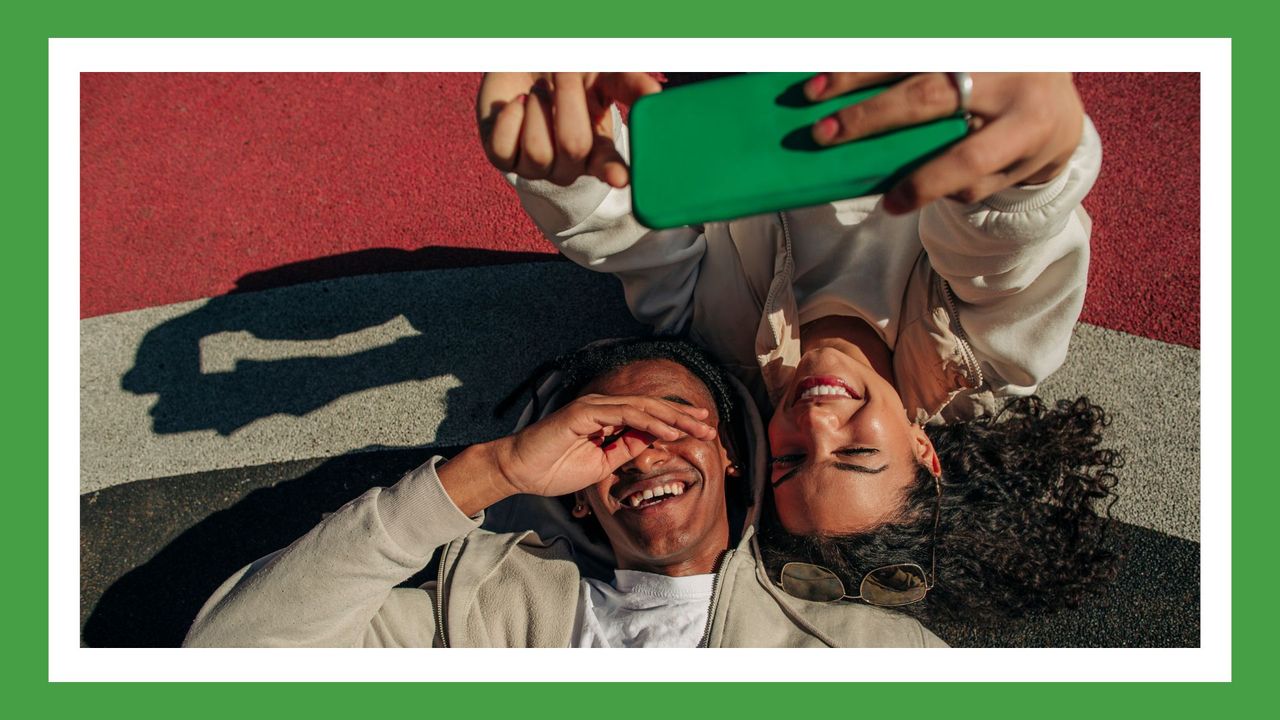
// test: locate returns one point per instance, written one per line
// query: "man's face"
(683, 527)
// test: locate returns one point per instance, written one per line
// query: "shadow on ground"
(481, 333)
(1155, 602)
(153, 551)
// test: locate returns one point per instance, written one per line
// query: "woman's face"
(843, 449)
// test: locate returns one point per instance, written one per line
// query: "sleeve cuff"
(556, 208)
(419, 515)
(1029, 198)
(1025, 198)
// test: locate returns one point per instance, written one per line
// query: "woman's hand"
(1025, 128)
(556, 126)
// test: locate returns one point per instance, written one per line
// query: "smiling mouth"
(655, 495)
(658, 488)
(822, 386)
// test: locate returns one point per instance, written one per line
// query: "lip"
(822, 380)
(689, 477)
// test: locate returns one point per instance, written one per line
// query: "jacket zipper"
(971, 360)
(444, 640)
(715, 586)
(788, 262)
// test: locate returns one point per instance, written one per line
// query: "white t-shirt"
(642, 609)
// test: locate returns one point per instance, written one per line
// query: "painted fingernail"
(825, 129)
(816, 84)
(521, 98)
(617, 176)
(895, 202)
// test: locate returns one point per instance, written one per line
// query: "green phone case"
(741, 145)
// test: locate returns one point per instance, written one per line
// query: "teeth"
(635, 499)
(820, 390)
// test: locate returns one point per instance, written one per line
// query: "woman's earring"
(581, 510)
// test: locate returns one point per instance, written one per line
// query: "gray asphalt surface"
(216, 431)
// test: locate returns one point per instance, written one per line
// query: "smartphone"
(742, 145)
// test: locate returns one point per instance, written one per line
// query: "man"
(644, 448)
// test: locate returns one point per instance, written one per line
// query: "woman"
(859, 323)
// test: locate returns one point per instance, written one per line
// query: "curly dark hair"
(1023, 521)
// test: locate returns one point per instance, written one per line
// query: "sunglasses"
(889, 586)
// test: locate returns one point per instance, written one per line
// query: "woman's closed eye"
(795, 458)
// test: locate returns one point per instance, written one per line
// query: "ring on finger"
(964, 89)
(964, 86)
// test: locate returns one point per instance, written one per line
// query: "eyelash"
(780, 459)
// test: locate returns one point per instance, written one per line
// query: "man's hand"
(556, 126)
(591, 437)
(1026, 126)
(573, 448)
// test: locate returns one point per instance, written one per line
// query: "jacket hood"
(549, 517)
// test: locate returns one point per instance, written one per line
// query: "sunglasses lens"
(810, 582)
(895, 585)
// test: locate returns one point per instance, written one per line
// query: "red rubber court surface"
(191, 182)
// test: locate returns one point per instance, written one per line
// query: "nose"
(653, 457)
(814, 416)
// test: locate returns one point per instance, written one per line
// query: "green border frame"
(25, 52)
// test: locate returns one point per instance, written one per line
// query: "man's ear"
(925, 454)
(581, 508)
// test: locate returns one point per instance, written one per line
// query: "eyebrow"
(847, 467)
